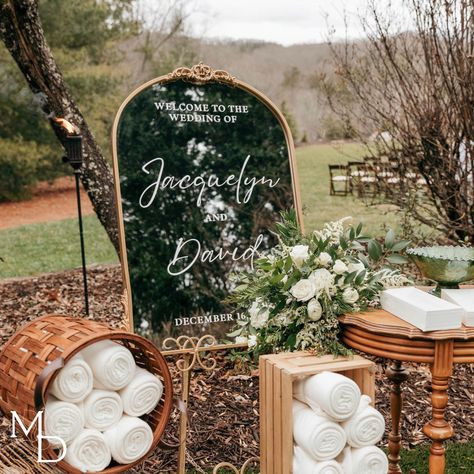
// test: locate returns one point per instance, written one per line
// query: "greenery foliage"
(299, 288)
(290, 119)
(336, 129)
(20, 163)
(84, 44)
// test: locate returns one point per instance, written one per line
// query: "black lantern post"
(73, 146)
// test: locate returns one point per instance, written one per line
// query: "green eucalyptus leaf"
(375, 250)
(350, 277)
(401, 245)
(397, 259)
(389, 239)
(276, 278)
(363, 259)
(235, 333)
(360, 277)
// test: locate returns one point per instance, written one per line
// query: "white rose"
(315, 310)
(252, 340)
(322, 279)
(339, 267)
(241, 340)
(258, 314)
(355, 267)
(324, 259)
(299, 254)
(304, 290)
(350, 295)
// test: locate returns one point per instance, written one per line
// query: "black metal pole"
(73, 147)
(77, 173)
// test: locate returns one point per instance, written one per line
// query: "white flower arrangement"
(299, 288)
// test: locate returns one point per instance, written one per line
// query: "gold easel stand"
(192, 352)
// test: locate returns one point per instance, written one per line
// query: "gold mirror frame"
(198, 74)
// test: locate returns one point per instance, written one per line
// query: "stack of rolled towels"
(95, 403)
(335, 429)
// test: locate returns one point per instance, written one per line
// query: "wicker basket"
(30, 359)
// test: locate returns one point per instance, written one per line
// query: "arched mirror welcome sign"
(203, 166)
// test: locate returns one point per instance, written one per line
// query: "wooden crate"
(277, 375)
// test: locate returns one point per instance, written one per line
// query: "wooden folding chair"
(367, 181)
(339, 180)
(353, 174)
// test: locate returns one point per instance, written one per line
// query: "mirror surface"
(204, 171)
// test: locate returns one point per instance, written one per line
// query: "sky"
(283, 21)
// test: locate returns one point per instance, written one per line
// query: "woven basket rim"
(107, 334)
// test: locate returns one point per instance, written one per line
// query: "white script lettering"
(188, 252)
(244, 184)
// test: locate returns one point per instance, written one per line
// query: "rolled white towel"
(367, 460)
(89, 452)
(62, 419)
(303, 464)
(337, 395)
(129, 439)
(345, 460)
(102, 409)
(112, 364)
(73, 382)
(142, 394)
(320, 437)
(365, 427)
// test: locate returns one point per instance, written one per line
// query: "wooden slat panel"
(277, 420)
(263, 418)
(268, 410)
(277, 375)
(287, 423)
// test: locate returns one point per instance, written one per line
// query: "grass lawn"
(319, 206)
(52, 247)
(459, 459)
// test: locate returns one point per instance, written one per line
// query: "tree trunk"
(22, 33)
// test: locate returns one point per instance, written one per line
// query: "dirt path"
(50, 202)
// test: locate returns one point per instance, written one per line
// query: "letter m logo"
(39, 420)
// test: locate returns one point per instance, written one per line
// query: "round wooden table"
(382, 334)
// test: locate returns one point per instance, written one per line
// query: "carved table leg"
(397, 375)
(438, 429)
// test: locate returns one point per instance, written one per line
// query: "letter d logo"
(37, 419)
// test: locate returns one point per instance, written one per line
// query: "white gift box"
(463, 298)
(423, 310)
